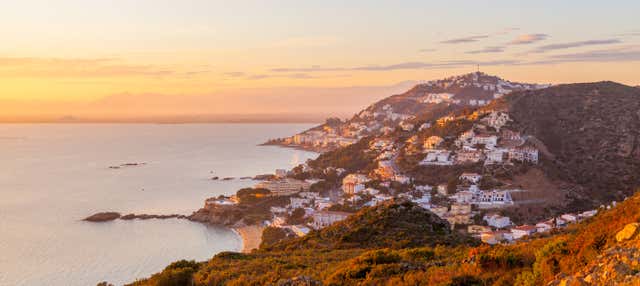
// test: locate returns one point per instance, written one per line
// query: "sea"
(54, 175)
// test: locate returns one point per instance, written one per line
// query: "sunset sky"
(143, 59)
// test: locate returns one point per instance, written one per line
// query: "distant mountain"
(427, 100)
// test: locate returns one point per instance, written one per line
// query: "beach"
(251, 237)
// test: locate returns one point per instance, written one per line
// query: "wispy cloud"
(427, 50)
(250, 76)
(78, 67)
(562, 46)
(463, 40)
(528, 39)
(621, 54)
(400, 66)
(488, 50)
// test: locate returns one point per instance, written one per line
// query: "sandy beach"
(251, 237)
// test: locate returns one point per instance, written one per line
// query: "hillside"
(595, 250)
(389, 225)
(591, 132)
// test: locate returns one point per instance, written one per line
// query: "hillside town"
(472, 90)
(465, 204)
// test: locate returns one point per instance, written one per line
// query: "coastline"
(251, 236)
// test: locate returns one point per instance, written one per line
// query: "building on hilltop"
(354, 183)
(323, 219)
(283, 187)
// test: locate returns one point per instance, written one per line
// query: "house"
(491, 237)
(497, 220)
(489, 141)
(510, 135)
(299, 202)
(497, 119)
(587, 214)
(464, 197)
(569, 218)
(354, 183)
(494, 197)
(477, 229)
(402, 179)
(326, 218)
(299, 230)
(495, 156)
(437, 157)
(283, 187)
(524, 154)
(544, 226)
(470, 177)
(460, 209)
(432, 142)
(522, 231)
(469, 156)
(442, 189)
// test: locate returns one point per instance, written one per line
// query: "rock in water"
(102, 217)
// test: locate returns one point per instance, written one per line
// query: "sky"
(134, 60)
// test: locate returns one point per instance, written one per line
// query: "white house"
(497, 220)
(437, 157)
(326, 218)
(470, 177)
(544, 226)
(354, 183)
(570, 218)
(523, 230)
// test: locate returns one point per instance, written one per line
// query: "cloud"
(401, 66)
(622, 54)
(463, 40)
(528, 39)
(427, 50)
(561, 46)
(249, 76)
(609, 55)
(312, 41)
(486, 50)
(77, 67)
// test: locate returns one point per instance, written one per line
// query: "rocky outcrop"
(109, 216)
(628, 232)
(218, 215)
(618, 265)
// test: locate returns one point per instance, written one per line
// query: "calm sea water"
(52, 176)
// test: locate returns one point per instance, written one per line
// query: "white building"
(354, 183)
(470, 177)
(544, 226)
(522, 231)
(437, 157)
(524, 154)
(326, 218)
(497, 220)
